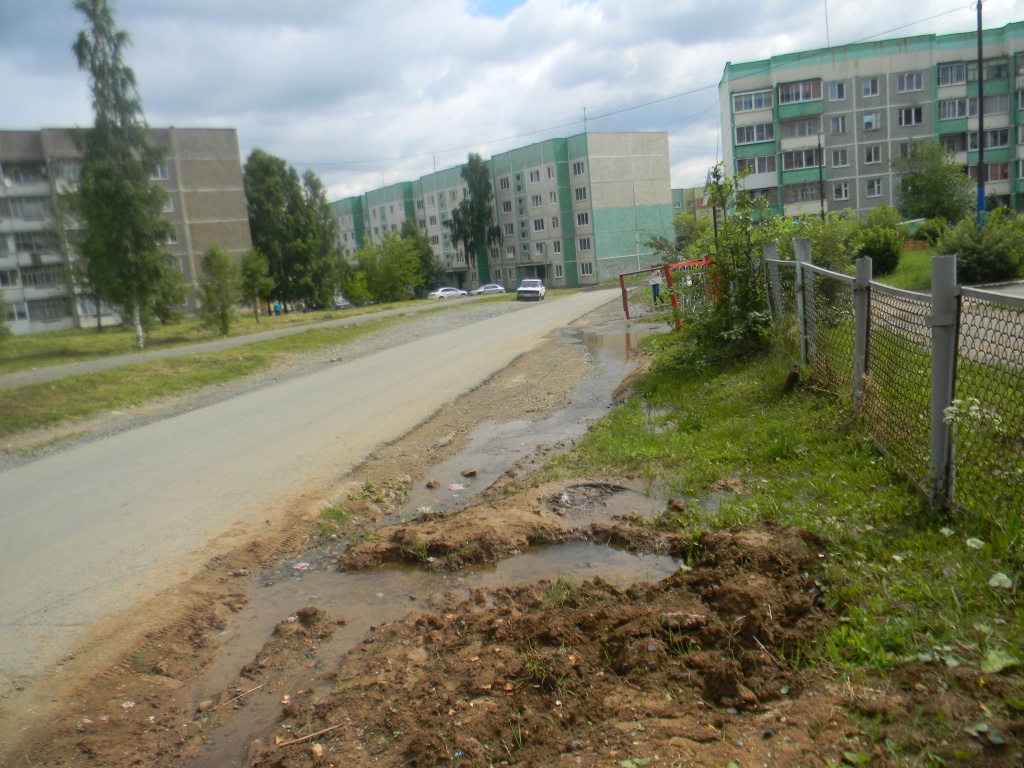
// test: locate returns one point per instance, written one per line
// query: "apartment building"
(817, 129)
(572, 211)
(202, 174)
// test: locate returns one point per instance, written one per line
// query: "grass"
(43, 405)
(914, 272)
(904, 583)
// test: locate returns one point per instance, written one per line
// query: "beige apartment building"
(202, 174)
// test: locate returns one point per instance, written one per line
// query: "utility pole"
(981, 126)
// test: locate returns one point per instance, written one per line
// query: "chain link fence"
(953, 423)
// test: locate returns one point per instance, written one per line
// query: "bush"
(887, 218)
(991, 254)
(932, 230)
(884, 246)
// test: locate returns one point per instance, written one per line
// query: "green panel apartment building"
(572, 211)
(817, 129)
(201, 172)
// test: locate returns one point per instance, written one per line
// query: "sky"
(373, 92)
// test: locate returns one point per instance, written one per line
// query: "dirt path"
(700, 668)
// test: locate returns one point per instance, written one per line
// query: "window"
(1020, 99)
(558, 270)
(51, 274)
(1020, 169)
(159, 173)
(30, 207)
(394, 227)
(510, 229)
(506, 206)
(510, 252)
(586, 269)
(554, 222)
(35, 242)
(583, 244)
(872, 155)
(837, 92)
(840, 158)
(950, 109)
(801, 193)
(745, 102)
(577, 168)
(954, 142)
(749, 134)
(503, 182)
(8, 278)
(534, 177)
(391, 209)
(993, 172)
(535, 201)
(911, 116)
(553, 198)
(808, 90)
(762, 164)
(871, 121)
(583, 219)
(869, 86)
(1000, 137)
(49, 309)
(433, 221)
(952, 74)
(538, 225)
(169, 205)
(581, 194)
(419, 205)
(66, 169)
(376, 230)
(841, 191)
(997, 104)
(452, 195)
(551, 171)
(435, 240)
(994, 70)
(172, 239)
(15, 312)
(874, 188)
(556, 247)
(538, 249)
(801, 158)
(837, 125)
(798, 128)
(912, 81)
(430, 201)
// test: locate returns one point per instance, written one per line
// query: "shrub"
(991, 254)
(887, 218)
(932, 230)
(884, 246)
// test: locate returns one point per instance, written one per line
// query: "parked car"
(340, 302)
(531, 289)
(489, 288)
(446, 293)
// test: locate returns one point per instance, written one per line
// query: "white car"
(446, 293)
(489, 288)
(531, 289)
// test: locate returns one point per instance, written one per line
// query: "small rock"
(205, 706)
(432, 484)
(240, 572)
(469, 473)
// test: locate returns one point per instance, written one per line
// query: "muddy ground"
(697, 659)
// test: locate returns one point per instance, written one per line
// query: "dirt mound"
(539, 674)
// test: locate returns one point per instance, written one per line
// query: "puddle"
(370, 599)
(494, 447)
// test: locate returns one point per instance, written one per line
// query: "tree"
(268, 189)
(472, 223)
(219, 290)
(312, 257)
(391, 270)
(256, 281)
(431, 269)
(933, 184)
(117, 205)
(5, 332)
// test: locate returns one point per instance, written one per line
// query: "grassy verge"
(736, 449)
(914, 272)
(43, 405)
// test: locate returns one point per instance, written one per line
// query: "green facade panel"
(802, 176)
(755, 150)
(800, 109)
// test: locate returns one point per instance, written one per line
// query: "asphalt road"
(90, 531)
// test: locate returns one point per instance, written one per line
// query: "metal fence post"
(861, 327)
(771, 251)
(802, 248)
(943, 322)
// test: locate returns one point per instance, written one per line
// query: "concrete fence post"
(802, 248)
(771, 251)
(943, 322)
(861, 328)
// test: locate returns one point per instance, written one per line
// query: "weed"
(335, 513)
(561, 592)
